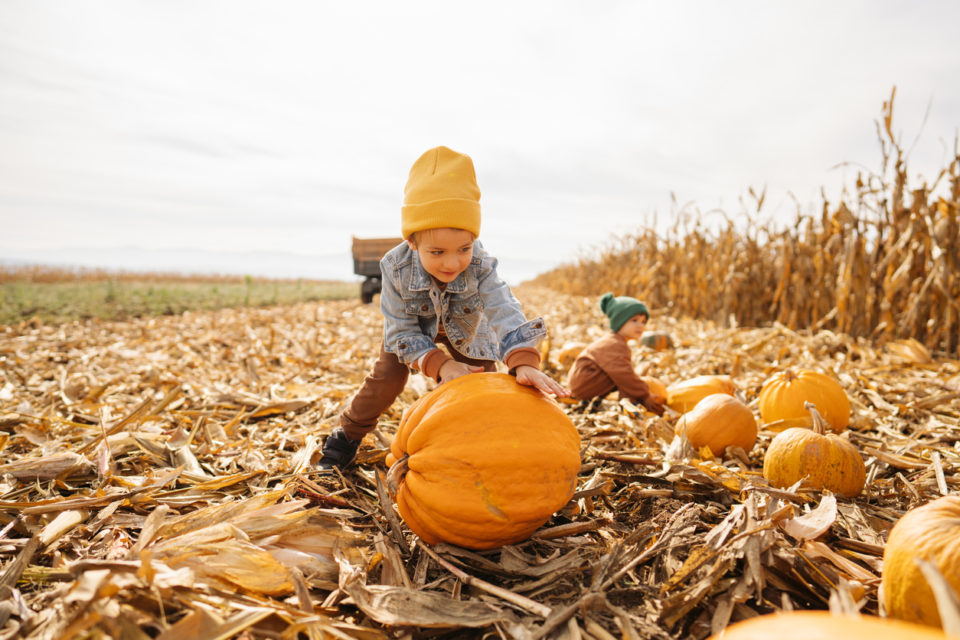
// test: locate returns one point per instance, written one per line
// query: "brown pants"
(381, 388)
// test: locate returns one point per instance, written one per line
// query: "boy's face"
(444, 253)
(634, 327)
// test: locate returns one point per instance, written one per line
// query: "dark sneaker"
(338, 451)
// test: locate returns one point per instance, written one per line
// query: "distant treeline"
(882, 263)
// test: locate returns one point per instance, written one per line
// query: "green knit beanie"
(620, 309)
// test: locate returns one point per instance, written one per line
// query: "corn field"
(881, 263)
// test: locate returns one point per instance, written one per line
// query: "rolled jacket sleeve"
(430, 364)
(523, 356)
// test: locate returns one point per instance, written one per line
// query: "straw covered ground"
(156, 482)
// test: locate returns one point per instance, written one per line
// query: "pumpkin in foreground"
(719, 421)
(783, 395)
(821, 625)
(484, 460)
(930, 532)
(826, 460)
(684, 396)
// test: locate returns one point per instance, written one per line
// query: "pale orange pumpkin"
(683, 396)
(783, 395)
(487, 462)
(719, 421)
(930, 532)
(821, 625)
(826, 460)
(569, 353)
(656, 340)
(657, 388)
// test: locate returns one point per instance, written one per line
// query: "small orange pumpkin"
(783, 395)
(483, 461)
(683, 396)
(815, 625)
(656, 340)
(657, 388)
(931, 532)
(569, 353)
(827, 460)
(719, 421)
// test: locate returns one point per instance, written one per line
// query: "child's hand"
(533, 377)
(655, 404)
(451, 369)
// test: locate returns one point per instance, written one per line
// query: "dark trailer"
(366, 262)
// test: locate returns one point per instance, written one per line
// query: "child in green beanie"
(606, 365)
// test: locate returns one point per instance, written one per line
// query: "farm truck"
(366, 262)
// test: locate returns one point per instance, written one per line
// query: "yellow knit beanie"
(441, 192)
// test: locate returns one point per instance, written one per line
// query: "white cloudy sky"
(167, 127)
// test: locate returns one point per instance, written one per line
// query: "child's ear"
(411, 244)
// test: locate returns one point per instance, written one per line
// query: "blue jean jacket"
(481, 317)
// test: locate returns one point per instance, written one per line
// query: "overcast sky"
(144, 129)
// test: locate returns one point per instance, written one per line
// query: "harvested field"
(56, 295)
(156, 482)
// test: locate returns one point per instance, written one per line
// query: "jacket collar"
(421, 280)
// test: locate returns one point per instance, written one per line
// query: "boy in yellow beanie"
(440, 286)
(606, 365)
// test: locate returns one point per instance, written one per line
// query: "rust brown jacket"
(605, 366)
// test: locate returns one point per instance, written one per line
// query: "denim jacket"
(481, 317)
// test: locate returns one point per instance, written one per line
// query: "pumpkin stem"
(396, 473)
(819, 424)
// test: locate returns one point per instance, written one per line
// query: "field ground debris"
(156, 481)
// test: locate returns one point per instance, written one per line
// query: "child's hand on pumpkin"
(451, 369)
(533, 377)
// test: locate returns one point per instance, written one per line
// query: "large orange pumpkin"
(683, 396)
(488, 461)
(826, 460)
(821, 625)
(719, 421)
(783, 395)
(931, 532)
